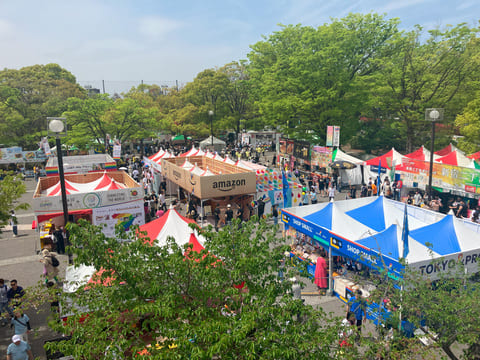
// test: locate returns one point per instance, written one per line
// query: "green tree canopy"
(28, 96)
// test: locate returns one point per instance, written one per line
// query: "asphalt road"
(19, 260)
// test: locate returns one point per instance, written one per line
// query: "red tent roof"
(196, 244)
(446, 150)
(418, 154)
(386, 159)
(105, 181)
(474, 156)
(170, 224)
(450, 159)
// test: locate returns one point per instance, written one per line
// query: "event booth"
(81, 164)
(212, 182)
(375, 233)
(103, 198)
(213, 144)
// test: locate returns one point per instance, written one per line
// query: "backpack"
(55, 262)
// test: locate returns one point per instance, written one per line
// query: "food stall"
(103, 198)
(372, 234)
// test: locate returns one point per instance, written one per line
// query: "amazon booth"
(212, 182)
(374, 233)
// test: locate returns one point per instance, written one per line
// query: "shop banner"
(455, 178)
(336, 136)
(301, 150)
(16, 154)
(321, 156)
(329, 136)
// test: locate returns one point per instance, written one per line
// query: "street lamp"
(58, 127)
(432, 115)
(210, 114)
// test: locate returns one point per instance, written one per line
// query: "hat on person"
(16, 338)
(229, 206)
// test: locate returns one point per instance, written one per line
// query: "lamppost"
(58, 126)
(210, 114)
(432, 115)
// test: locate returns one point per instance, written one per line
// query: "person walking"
(58, 235)
(331, 192)
(275, 214)
(21, 324)
(50, 266)
(19, 349)
(357, 305)
(13, 223)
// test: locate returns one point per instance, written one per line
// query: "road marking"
(25, 215)
(19, 260)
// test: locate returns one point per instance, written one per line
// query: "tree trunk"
(410, 134)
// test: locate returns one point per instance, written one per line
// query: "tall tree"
(438, 72)
(28, 96)
(305, 77)
(237, 93)
(87, 119)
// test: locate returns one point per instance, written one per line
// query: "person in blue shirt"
(21, 324)
(19, 349)
(357, 306)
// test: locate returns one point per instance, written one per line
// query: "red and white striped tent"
(171, 224)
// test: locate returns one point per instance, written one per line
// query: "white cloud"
(6, 28)
(397, 5)
(157, 27)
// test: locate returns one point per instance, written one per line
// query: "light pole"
(210, 114)
(432, 115)
(58, 127)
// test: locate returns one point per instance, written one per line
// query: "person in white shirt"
(331, 192)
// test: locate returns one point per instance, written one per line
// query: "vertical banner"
(46, 147)
(336, 136)
(117, 151)
(329, 136)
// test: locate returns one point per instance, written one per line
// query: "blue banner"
(343, 247)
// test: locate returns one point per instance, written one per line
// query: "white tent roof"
(76, 277)
(208, 141)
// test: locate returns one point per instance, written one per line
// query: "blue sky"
(162, 41)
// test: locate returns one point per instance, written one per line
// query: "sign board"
(125, 215)
(117, 151)
(88, 200)
(301, 150)
(336, 136)
(321, 156)
(16, 154)
(329, 136)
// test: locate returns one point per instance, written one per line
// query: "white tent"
(215, 145)
(350, 176)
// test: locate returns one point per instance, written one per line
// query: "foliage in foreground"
(190, 305)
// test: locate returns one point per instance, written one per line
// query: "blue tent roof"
(322, 217)
(441, 235)
(371, 215)
(385, 242)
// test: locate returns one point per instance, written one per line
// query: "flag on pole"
(379, 176)
(405, 233)
(286, 186)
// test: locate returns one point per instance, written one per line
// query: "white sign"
(90, 200)
(117, 151)
(336, 136)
